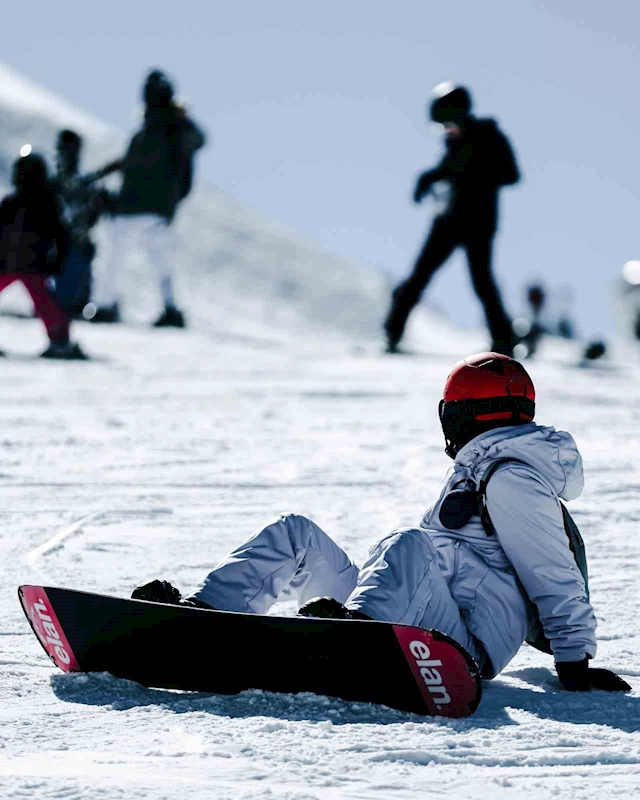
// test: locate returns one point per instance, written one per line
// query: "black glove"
(157, 592)
(423, 185)
(577, 676)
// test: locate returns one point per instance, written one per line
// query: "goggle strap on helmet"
(486, 407)
(458, 414)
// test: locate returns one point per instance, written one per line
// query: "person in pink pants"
(33, 244)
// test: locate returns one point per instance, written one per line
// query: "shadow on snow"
(538, 692)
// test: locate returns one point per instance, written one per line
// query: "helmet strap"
(450, 448)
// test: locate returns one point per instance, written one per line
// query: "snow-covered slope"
(236, 273)
(157, 458)
(182, 447)
(31, 114)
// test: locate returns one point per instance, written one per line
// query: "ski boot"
(393, 343)
(171, 317)
(158, 591)
(65, 351)
(329, 608)
(595, 350)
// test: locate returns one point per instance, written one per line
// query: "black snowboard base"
(176, 647)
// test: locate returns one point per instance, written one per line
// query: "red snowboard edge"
(47, 628)
(447, 676)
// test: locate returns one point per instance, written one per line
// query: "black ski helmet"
(68, 149)
(69, 140)
(158, 89)
(451, 103)
(30, 172)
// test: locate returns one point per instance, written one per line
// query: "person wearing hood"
(157, 174)
(491, 576)
(477, 163)
(33, 246)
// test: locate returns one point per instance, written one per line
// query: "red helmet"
(485, 391)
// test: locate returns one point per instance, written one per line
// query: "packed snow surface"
(172, 446)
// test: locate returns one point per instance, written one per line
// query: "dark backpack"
(536, 639)
(184, 151)
(27, 245)
(186, 177)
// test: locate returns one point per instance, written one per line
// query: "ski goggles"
(458, 417)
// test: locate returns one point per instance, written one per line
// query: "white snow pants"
(400, 582)
(126, 233)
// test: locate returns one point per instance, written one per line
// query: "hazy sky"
(316, 117)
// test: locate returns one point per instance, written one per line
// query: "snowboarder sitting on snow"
(489, 580)
(478, 162)
(33, 245)
(157, 174)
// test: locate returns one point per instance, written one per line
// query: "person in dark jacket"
(33, 245)
(83, 202)
(156, 175)
(477, 163)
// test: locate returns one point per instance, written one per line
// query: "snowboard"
(224, 652)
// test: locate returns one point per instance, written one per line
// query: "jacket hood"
(551, 453)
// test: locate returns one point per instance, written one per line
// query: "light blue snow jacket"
(530, 543)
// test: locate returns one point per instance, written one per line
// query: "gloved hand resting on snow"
(578, 676)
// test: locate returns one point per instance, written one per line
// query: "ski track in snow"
(189, 446)
(33, 556)
(274, 400)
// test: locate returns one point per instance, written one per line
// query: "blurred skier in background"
(566, 326)
(83, 204)
(157, 173)
(33, 246)
(629, 295)
(531, 329)
(478, 161)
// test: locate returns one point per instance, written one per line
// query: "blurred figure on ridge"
(157, 174)
(629, 294)
(566, 326)
(33, 245)
(83, 204)
(530, 330)
(478, 161)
